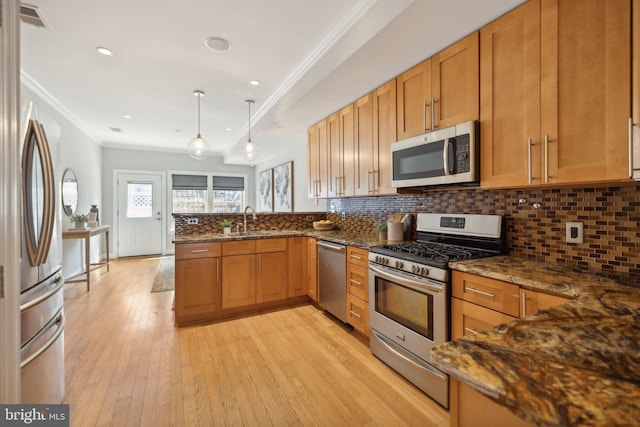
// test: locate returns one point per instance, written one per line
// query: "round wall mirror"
(69, 192)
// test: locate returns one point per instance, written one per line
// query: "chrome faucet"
(245, 217)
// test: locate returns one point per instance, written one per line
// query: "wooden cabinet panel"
(238, 280)
(455, 74)
(197, 250)
(413, 94)
(358, 281)
(363, 146)
(312, 268)
(312, 166)
(271, 276)
(358, 256)
(510, 99)
(238, 247)
(533, 301)
(323, 160)
(318, 161)
(335, 157)
(197, 288)
(347, 142)
(384, 134)
(271, 245)
(635, 45)
(358, 314)
(298, 255)
(469, 319)
(490, 293)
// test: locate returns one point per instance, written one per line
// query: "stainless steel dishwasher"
(332, 277)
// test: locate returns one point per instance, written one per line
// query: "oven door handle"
(412, 284)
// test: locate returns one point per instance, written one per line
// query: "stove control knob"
(399, 264)
(415, 269)
(386, 261)
(424, 271)
(377, 259)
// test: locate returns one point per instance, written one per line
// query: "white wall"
(132, 160)
(297, 153)
(80, 152)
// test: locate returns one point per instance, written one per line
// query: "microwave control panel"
(463, 155)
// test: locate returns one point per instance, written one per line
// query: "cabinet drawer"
(494, 294)
(357, 281)
(533, 301)
(271, 245)
(469, 319)
(358, 314)
(197, 250)
(357, 256)
(238, 247)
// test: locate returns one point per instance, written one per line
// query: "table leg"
(87, 259)
(107, 234)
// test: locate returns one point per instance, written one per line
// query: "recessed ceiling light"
(254, 82)
(104, 51)
(228, 129)
(218, 44)
(126, 116)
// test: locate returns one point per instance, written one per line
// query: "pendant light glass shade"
(249, 149)
(198, 147)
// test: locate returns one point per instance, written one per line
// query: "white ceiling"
(312, 56)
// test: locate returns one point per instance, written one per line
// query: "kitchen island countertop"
(574, 364)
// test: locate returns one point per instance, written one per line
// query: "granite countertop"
(574, 364)
(336, 236)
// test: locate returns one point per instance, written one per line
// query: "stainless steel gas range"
(410, 291)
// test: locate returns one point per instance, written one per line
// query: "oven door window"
(422, 161)
(408, 307)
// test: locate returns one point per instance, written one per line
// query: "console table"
(86, 234)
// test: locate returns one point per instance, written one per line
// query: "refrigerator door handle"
(59, 283)
(60, 320)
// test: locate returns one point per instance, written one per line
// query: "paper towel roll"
(395, 232)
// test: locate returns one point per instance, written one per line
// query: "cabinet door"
(510, 99)
(297, 251)
(335, 166)
(469, 319)
(347, 141)
(636, 89)
(455, 86)
(238, 281)
(384, 134)
(313, 165)
(533, 301)
(586, 90)
(271, 276)
(413, 94)
(312, 269)
(358, 281)
(363, 116)
(358, 256)
(323, 160)
(494, 294)
(358, 314)
(197, 288)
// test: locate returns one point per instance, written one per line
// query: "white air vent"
(31, 15)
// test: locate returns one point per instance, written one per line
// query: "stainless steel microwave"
(445, 156)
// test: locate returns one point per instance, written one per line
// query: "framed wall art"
(283, 187)
(265, 191)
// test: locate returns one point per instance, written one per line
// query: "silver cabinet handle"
(253, 263)
(478, 291)
(259, 265)
(433, 113)
(218, 269)
(546, 158)
(524, 304)
(630, 147)
(529, 155)
(375, 188)
(369, 179)
(445, 157)
(471, 331)
(356, 282)
(355, 314)
(195, 251)
(355, 257)
(426, 105)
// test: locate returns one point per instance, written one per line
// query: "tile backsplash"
(609, 215)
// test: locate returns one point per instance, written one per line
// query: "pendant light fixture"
(198, 147)
(249, 148)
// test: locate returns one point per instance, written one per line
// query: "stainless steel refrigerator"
(41, 287)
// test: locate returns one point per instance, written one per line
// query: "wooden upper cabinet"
(586, 90)
(335, 156)
(347, 141)
(318, 160)
(636, 89)
(363, 146)
(413, 94)
(510, 99)
(323, 160)
(384, 134)
(455, 86)
(313, 165)
(556, 94)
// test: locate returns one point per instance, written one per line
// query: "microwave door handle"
(445, 157)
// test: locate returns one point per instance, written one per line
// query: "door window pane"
(139, 200)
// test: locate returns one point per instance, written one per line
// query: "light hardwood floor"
(127, 365)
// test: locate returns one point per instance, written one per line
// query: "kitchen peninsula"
(573, 364)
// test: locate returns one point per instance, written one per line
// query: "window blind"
(189, 182)
(228, 183)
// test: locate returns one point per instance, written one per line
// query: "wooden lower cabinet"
(197, 281)
(238, 281)
(297, 248)
(358, 315)
(358, 290)
(312, 268)
(271, 276)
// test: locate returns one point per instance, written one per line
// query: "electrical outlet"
(344, 216)
(192, 221)
(574, 232)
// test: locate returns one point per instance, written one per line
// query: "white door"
(139, 214)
